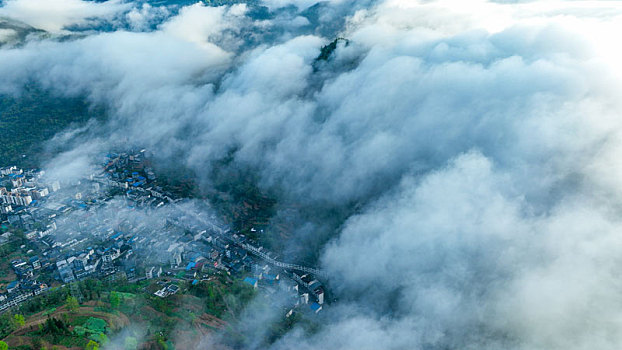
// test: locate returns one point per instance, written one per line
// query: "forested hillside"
(33, 117)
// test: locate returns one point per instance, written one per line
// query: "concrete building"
(65, 272)
(153, 272)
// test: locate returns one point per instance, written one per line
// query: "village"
(141, 231)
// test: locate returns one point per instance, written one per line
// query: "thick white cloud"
(202, 24)
(144, 17)
(56, 15)
(7, 35)
(469, 265)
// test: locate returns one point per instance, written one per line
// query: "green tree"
(3, 345)
(100, 338)
(92, 345)
(72, 303)
(37, 344)
(115, 300)
(7, 325)
(19, 320)
(162, 344)
(130, 343)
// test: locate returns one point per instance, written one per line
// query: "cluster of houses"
(129, 172)
(297, 290)
(25, 286)
(68, 243)
(20, 193)
(169, 289)
(21, 188)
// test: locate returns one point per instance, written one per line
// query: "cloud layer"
(469, 149)
(56, 15)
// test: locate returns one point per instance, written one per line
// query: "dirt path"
(210, 321)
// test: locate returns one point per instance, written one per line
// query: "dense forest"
(35, 116)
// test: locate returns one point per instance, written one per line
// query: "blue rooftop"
(195, 282)
(251, 281)
(315, 306)
(190, 266)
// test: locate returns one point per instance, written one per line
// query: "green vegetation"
(17, 239)
(56, 331)
(57, 318)
(238, 296)
(213, 295)
(34, 116)
(10, 323)
(100, 338)
(161, 340)
(54, 298)
(3, 346)
(115, 300)
(92, 345)
(239, 199)
(72, 304)
(95, 325)
(6, 325)
(222, 297)
(19, 320)
(130, 343)
(48, 312)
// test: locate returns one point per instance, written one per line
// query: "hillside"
(33, 117)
